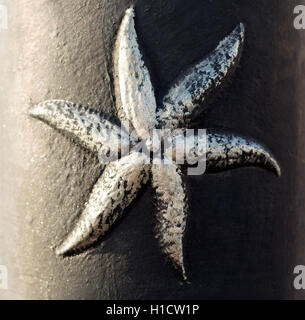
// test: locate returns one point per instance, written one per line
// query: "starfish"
(122, 178)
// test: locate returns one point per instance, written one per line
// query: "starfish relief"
(122, 178)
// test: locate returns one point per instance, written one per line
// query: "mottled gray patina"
(136, 104)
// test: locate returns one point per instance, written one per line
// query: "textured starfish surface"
(121, 180)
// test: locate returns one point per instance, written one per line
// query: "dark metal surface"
(246, 229)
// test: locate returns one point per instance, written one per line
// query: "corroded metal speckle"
(113, 192)
(136, 104)
(192, 88)
(135, 94)
(171, 202)
(92, 130)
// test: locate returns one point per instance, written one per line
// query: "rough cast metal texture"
(90, 129)
(136, 104)
(136, 98)
(230, 151)
(191, 90)
(172, 211)
(114, 191)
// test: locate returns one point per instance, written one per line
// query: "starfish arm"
(230, 151)
(187, 99)
(136, 101)
(112, 193)
(219, 151)
(171, 203)
(89, 128)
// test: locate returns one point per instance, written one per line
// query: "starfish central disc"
(153, 144)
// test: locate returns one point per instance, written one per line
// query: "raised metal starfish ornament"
(122, 179)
